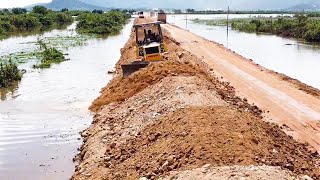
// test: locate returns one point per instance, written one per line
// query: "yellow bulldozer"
(150, 47)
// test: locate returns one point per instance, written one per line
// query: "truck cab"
(140, 14)
(162, 16)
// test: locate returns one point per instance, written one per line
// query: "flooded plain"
(41, 117)
(292, 57)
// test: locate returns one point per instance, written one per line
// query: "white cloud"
(20, 3)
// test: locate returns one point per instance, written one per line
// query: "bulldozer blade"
(128, 69)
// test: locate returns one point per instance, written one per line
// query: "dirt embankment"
(176, 116)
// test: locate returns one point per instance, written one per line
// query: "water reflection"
(9, 92)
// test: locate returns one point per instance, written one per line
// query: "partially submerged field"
(177, 119)
(301, 26)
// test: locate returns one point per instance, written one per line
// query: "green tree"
(19, 11)
(177, 11)
(102, 24)
(190, 11)
(97, 11)
(40, 10)
(64, 10)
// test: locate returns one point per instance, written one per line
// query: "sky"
(19, 3)
(202, 4)
(197, 4)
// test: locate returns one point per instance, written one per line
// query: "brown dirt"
(300, 85)
(208, 172)
(193, 137)
(177, 115)
(178, 63)
(284, 103)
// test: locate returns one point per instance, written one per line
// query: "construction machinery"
(162, 16)
(150, 47)
(141, 14)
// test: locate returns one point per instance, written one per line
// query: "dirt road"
(295, 110)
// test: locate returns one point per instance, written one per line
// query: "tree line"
(99, 23)
(19, 20)
(193, 11)
(300, 26)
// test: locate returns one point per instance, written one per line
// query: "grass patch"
(51, 49)
(21, 57)
(67, 41)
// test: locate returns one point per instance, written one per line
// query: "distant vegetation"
(9, 73)
(313, 14)
(39, 19)
(301, 26)
(193, 11)
(102, 23)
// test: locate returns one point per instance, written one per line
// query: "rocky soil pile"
(194, 136)
(175, 116)
(208, 172)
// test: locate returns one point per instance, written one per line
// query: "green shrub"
(39, 19)
(9, 73)
(300, 26)
(313, 32)
(246, 27)
(48, 56)
(19, 11)
(63, 18)
(40, 10)
(101, 24)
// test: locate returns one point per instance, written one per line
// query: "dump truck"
(141, 14)
(162, 16)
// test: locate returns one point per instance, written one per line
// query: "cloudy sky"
(19, 3)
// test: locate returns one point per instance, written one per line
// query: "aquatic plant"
(67, 41)
(48, 56)
(9, 73)
(47, 47)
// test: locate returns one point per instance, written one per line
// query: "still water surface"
(40, 119)
(289, 56)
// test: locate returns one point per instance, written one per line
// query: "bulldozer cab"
(149, 47)
(149, 40)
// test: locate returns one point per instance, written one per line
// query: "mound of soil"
(176, 115)
(126, 87)
(121, 89)
(234, 172)
(192, 137)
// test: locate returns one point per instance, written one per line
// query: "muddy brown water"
(41, 117)
(292, 57)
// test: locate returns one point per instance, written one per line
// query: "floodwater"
(289, 56)
(41, 117)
